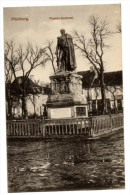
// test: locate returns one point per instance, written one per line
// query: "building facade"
(113, 91)
(35, 98)
(37, 95)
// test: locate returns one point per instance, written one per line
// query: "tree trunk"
(103, 100)
(115, 108)
(24, 108)
(9, 103)
(34, 111)
(10, 108)
(34, 106)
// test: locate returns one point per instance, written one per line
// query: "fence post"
(111, 121)
(90, 126)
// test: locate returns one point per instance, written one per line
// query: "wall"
(39, 101)
(114, 96)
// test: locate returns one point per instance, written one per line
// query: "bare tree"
(51, 54)
(35, 57)
(8, 73)
(11, 67)
(26, 59)
(8, 80)
(113, 90)
(96, 98)
(11, 60)
(93, 49)
(33, 99)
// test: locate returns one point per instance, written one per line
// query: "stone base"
(76, 111)
(66, 90)
(66, 99)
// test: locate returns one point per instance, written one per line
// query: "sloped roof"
(30, 87)
(110, 78)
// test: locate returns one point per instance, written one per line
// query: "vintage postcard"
(64, 98)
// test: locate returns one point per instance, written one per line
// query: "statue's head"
(62, 31)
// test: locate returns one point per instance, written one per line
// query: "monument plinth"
(67, 99)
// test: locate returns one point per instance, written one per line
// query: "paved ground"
(50, 166)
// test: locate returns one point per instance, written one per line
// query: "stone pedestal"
(67, 99)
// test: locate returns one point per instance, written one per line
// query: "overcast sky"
(40, 28)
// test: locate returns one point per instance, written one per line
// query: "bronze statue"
(65, 52)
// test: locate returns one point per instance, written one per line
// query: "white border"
(126, 74)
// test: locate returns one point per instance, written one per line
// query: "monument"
(66, 99)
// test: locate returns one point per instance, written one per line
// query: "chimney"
(91, 69)
(32, 78)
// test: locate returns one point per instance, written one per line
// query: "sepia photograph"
(64, 98)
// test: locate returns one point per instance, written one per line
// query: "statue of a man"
(65, 52)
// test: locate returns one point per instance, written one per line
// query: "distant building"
(36, 97)
(113, 91)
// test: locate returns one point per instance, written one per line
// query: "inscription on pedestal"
(80, 111)
(61, 113)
